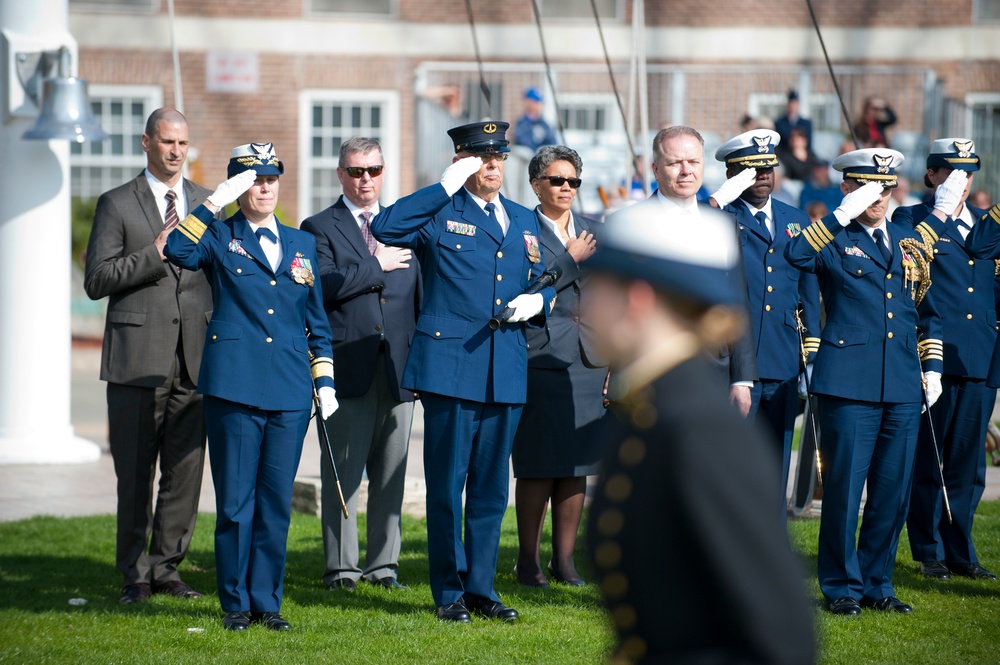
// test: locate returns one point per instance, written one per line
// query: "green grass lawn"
(44, 562)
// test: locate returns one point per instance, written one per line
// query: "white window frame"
(389, 140)
(309, 12)
(976, 18)
(570, 100)
(153, 97)
(758, 100)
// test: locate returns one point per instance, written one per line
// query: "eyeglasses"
(359, 171)
(487, 156)
(559, 181)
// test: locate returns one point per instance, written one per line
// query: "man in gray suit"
(153, 339)
(372, 296)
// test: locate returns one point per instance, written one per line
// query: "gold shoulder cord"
(917, 257)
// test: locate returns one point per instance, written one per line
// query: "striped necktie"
(170, 219)
(366, 231)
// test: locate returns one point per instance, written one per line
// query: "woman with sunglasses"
(557, 441)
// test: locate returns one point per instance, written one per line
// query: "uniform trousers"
(146, 424)
(960, 418)
(774, 405)
(873, 442)
(369, 432)
(466, 447)
(254, 454)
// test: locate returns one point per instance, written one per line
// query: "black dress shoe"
(887, 604)
(490, 609)
(971, 570)
(935, 569)
(135, 593)
(572, 581)
(177, 589)
(845, 606)
(236, 621)
(456, 612)
(272, 620)
(389, 583)
(345, 583)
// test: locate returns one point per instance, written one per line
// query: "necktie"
(366, 231)
(491, 210)
(170, 219)
(266, 233)
(761, 218)
(880, 241)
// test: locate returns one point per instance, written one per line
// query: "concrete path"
(89, 489)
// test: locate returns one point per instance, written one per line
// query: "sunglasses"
(359, 171)
(559, 181)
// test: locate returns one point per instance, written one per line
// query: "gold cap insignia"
(763, 143)
(965, 148)
(882, 163)
(490, 128)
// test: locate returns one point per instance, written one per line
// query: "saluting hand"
(582, 246)
(455, 175)
(392, 258)
(231, 189)
(857, 202)
(732, 188)
(949, 194)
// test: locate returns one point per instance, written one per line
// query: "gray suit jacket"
(150, 308)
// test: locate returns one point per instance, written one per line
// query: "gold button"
(382, 300)
(270, 311)
(378, 328)
(770, 269)
(971, 289)
(499, 255)
(889, 276)
(458, 247)
(499, 301)
(889, 315)
(268, 340)
(889, 335)
(214, 337)
(273, 283)
(889, 296)
(972, 263)
(968, 316)
(770, 251)
(840, 341)
(499, 278)
(239, 270)
(767, 308)
(437, 334)
(770, 288)
(859, 271)
(936, 250)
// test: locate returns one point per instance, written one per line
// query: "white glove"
(327, 401)
(231, 189)
(949, 193)
(857, 202)
(525, 306)
(732, 188)
(455, 175)
(932, 386)
(805, 380)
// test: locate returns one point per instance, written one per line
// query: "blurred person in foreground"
(679, 167)
(267, 355)
(372, 297)
(869, 378)
(659, 292)
(153, 342)
(558, 440)
(965, 295)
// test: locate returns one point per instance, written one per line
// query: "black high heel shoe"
(556, 577)
(536, 585)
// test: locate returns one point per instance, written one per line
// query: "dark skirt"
(562, 428)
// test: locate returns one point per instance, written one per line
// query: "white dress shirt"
(570, 229)
(272, 250)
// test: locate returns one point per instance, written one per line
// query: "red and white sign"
(232, 71)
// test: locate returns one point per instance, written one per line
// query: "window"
(474, 104)
(115, 5)
(98, 166)
(986, 11)
(379, 7)
(558, 9)
(594, 113)
(824, 109)
(329, 117)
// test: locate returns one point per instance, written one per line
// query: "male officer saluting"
(478, 253)
(775, 288)
(964, 293)
(867, 377)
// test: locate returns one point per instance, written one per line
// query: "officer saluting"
(774, 287)
(964, 295)
(478, 253)
(867, 377)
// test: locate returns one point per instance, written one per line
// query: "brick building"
(307, 73)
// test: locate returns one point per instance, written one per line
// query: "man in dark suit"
(478, 253)
(153, 340)
(372, 297)
(965, 294)
(736, 592)
(679, 166)
(776, 289)
(792, 120)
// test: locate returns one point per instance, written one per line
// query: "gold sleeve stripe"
(818, 236)
(930, 349)
(187, 234)
(924, 227)
(195, 227)
(995, 213)
(811, 344)
(322, 367)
